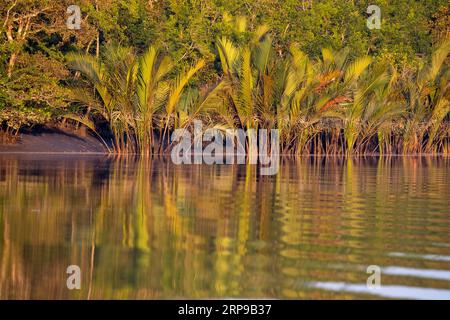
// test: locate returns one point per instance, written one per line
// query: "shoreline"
(284, 155)
(48, 140)
(57, 141)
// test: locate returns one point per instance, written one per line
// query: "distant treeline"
(139, 69)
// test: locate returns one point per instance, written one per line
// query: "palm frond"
(228, 54)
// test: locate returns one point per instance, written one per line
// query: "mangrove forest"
(134, 71)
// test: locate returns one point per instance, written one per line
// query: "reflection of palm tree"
(143, 204)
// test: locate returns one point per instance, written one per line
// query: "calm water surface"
(149, 229)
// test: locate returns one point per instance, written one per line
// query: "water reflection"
(149, 229)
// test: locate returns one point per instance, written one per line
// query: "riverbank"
(48, 139)
(54, 140)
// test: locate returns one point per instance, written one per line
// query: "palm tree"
(134, 95)
(381, 110)
(152, 90)
(114, 80)
(426, 95)
(245, 72)
(312, 93)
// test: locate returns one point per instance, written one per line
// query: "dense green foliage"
(309, 68)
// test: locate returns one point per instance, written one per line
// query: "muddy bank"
(54, 140)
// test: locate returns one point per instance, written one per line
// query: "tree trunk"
(11, 64)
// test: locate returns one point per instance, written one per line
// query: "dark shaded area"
(54, 140)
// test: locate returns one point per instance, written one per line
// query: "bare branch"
(9, 12)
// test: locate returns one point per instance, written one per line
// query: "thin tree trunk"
(11, 64)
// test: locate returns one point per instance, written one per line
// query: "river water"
(148, 229)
